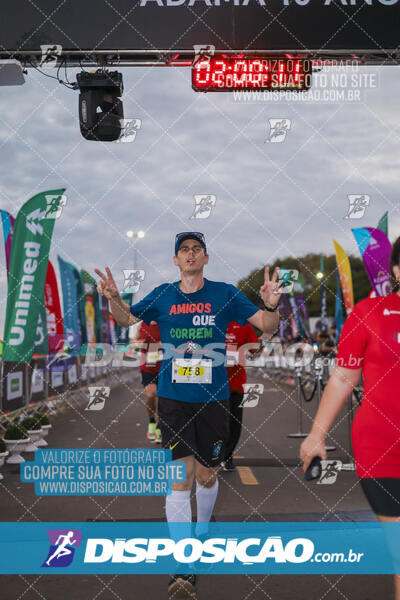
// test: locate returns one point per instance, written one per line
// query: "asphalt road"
(267, 486)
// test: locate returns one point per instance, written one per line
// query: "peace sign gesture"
(107, 286)
(269, 292)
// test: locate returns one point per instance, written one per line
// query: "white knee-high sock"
(205, 497)
(178, 510)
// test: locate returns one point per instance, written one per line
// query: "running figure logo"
(202, 50)
(55, 205)
(62, 547)
(192, 347)
(132, 280)
(357, 205)
(286, 279)
(129, 129)
(278, 129)
(203, 204)
(329, 471)
(50, 52)
(252, 393)
(97, 397)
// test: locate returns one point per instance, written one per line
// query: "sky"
(272, 199)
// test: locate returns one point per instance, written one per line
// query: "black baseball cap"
(189, 235)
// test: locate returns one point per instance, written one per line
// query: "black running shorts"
(148, 377)
(383, 494)
(199, 429)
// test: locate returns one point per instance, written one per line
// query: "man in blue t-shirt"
(193, 315)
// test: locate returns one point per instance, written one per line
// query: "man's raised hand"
(269, 292)
(107, 286)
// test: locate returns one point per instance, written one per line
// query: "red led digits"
(226, 73)
(201, 73)
(256, 68)
(219, 72)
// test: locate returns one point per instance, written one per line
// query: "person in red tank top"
(369, 343)
(238, 339)
(148, 336)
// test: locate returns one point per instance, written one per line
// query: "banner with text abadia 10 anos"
(33, 230)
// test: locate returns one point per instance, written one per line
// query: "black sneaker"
(182, 586)
(229, 465)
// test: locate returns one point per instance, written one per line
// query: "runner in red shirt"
(237, 337)
(149, 338)
(369, 343)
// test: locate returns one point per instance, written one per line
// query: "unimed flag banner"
(346, 281)
(375, 250)
(33, 230)
(40, 342)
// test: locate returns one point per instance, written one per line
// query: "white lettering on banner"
(20, 317)
(17, 332)
(213, 550)
(32, 221)
(32, 249)
(30, 265)
(51, 323)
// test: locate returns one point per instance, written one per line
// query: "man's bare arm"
(267, 321)
(119, 309)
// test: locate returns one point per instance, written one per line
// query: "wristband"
(271, 309)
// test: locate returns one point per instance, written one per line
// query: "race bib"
(191, 370)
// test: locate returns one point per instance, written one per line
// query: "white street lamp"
(136, 235)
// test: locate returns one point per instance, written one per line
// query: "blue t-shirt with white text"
(190, 322)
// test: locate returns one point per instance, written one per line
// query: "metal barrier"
(51, 386)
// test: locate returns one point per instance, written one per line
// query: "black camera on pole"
(100, 109)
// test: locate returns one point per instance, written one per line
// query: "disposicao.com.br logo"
(158, 547)
(248, 551)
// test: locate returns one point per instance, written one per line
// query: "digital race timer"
(223, 73)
